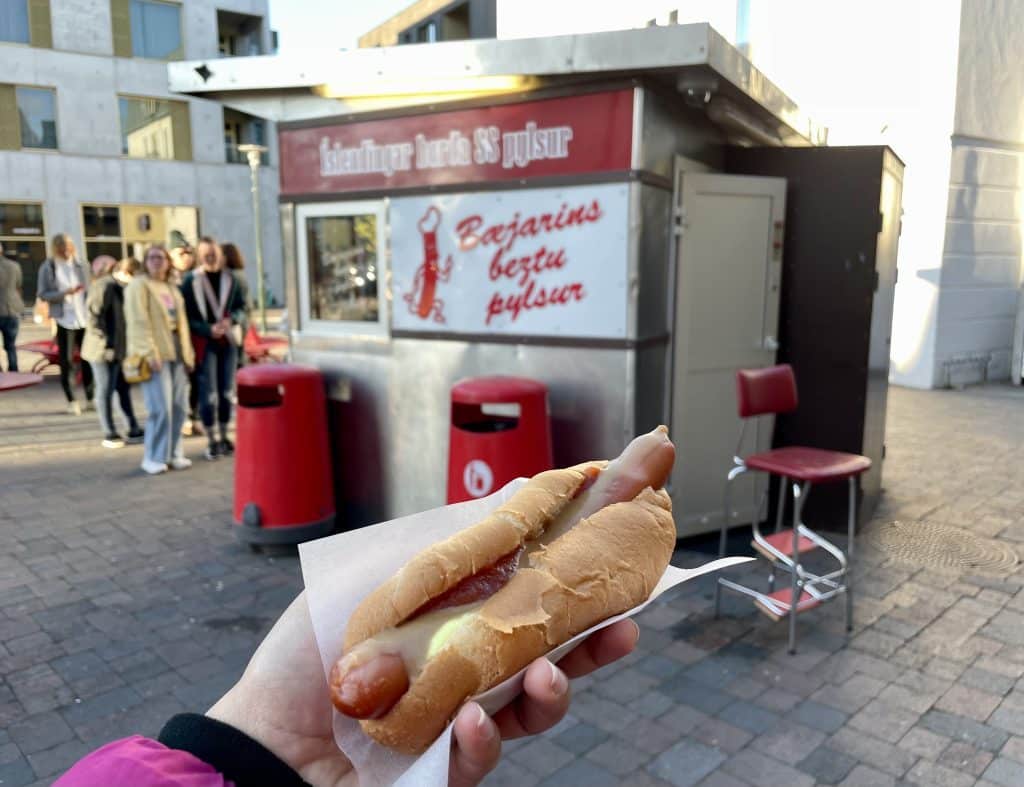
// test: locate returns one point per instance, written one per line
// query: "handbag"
(136, 369)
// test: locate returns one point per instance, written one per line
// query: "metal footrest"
(782, 542)
(778, 604)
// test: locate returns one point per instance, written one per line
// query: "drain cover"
(942, 547)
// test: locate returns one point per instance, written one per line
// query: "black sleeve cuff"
(233, 753)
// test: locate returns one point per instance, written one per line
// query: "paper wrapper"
(339, 571)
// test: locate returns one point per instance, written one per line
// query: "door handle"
(770, 343)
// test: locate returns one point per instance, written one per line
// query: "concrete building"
(92, 142)
(940, 81)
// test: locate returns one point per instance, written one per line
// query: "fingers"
(600, 648)
(476, 748)
(543, 703)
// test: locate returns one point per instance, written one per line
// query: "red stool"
(772, 391)
(499, 431)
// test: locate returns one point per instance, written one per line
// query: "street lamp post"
(252, 153)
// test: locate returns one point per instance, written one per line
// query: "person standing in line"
(215, 309)
(63, 281)
(104, 345)
(157, 330)
(183, 260)
(11, 307)
(235, 262)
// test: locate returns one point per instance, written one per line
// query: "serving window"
(341, 252)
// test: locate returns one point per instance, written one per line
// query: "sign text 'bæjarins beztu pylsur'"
(536, 262)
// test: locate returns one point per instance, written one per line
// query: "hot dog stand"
(565, 214)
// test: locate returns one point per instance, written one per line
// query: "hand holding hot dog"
(282, 702)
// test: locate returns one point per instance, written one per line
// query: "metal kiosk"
(565, 217)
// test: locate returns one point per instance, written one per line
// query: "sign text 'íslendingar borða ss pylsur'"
(541, 138)
(537, 262)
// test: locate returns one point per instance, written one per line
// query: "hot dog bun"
(606, 564)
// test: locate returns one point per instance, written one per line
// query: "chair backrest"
(762, 391)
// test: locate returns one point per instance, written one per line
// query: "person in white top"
(63, 282)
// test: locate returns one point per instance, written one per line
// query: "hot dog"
(569, 549)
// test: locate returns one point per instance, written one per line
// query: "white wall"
(89, 167)
(981, 269)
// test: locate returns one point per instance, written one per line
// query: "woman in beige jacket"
(157, 330)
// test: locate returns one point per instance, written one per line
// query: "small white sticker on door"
(477, 477)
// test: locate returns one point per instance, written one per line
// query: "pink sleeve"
(141, 762)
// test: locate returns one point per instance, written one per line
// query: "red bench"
(48, 349)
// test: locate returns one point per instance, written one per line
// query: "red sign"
(556, 136)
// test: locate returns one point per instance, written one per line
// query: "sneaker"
(212, 452)
(89, 405)
(226, 447)
(74, 408)
(153, 468)
(181, 463)
(136, 435)
(113, 441)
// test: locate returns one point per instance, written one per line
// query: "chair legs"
(780, 509)
(851, 525)
(799, 494)
(726, 521)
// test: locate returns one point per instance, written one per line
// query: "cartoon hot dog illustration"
(422, 300)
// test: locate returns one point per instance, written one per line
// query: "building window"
(26, 22)
(243, 129)
(37, 115)
(340, 267)
(14, 21)
(239, 35)
(127, 230)
(24, 238)
(147, 28)
(155, 128)
(28, 118)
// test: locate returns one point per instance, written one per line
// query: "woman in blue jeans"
(216, 309)
(104, 345)
(157, 330)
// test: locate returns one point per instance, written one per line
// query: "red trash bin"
(499, 431)
(284, 492)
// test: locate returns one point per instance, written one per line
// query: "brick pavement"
(124, 599)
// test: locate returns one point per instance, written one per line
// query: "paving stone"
(1008, 718)
(57, 759)
(961, 728)
(962, 756)
(580, 738)
(659, 666)
(929, 774)
(542, 757)
(917, 698)
(1007, 773)
(40, 732)
(850, 696)
(866, 776)
(884, 721)
(721, 735)
(100, 706)
(818, 716)
(626, 685)
(683, 719)
(707, 699)
(779, 700)
(789, 742)
(969, 702)
(580, 772)
(685, 764)
(764, 771)
(1014, 749)
(650, 736)
(987, 681)
(866, 748)
(508, 774)
(924, 743)
(722, 779)
(618, 757)
(826, 765)
(17, 773)
(652, 704)
(749, 717)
